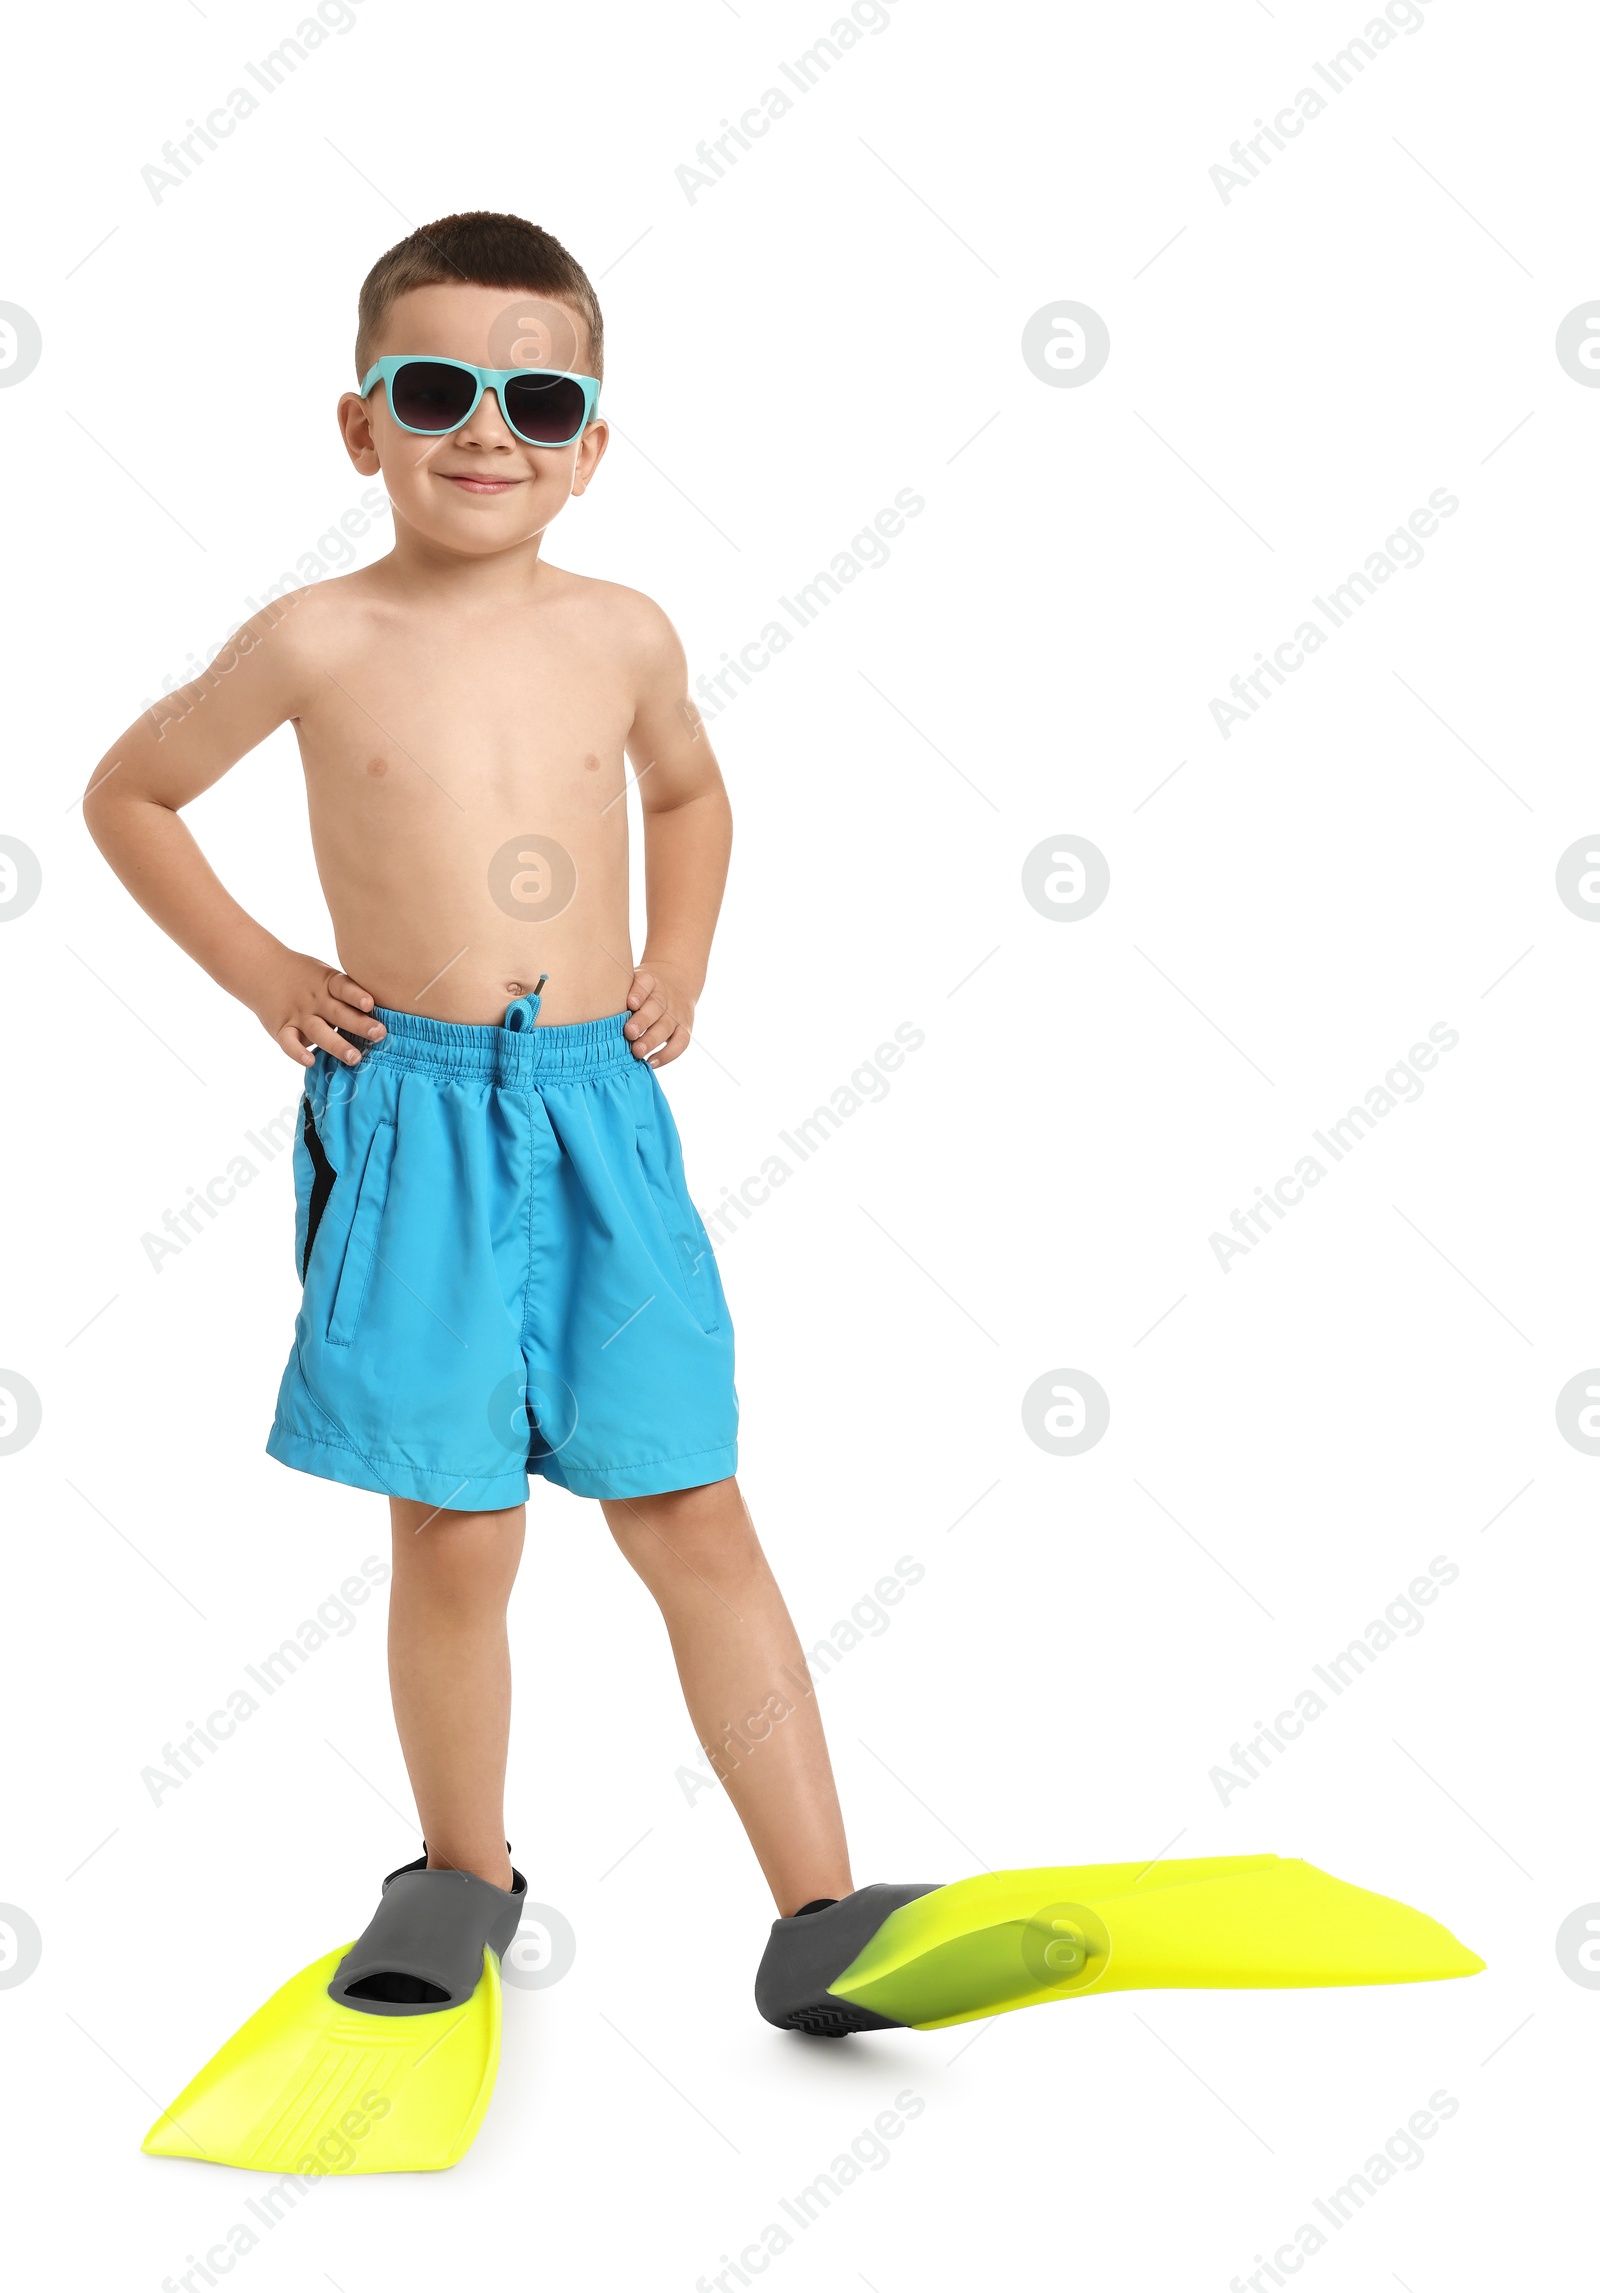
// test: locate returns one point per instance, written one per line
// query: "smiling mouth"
(479, 485)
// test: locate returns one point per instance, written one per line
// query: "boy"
(502, 1270)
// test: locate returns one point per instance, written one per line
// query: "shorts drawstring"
(523, 1014)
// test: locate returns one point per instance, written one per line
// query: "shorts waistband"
(531, 1056)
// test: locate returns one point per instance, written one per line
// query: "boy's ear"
(356, 431)
(590, 448)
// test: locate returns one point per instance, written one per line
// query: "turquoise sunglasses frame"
(492, 378)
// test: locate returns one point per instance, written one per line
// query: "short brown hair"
(481, 250)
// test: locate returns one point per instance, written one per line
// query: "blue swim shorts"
(502, 1272)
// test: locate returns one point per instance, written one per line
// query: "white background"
(1292, 372)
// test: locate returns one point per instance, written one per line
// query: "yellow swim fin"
(923, 1957)
(380, 2058)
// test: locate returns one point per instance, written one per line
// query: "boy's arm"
(165, 759)
(688, 829)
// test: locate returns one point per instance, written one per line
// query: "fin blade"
(307, 2086)
(1011, 1939)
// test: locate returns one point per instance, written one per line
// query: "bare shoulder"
(307, 631)
(325, 612)
(629, 625)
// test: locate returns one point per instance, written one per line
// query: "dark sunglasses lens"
(426, 396)
(546, 409)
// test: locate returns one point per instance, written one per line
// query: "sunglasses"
(433, 396)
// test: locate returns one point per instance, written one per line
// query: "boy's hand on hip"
(661, 1017)
(304, 1001)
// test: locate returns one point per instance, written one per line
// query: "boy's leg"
(744, 1680)
(450, 1676)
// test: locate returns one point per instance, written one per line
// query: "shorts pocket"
(361, 1248)
(694, 1259)
(314, 1175)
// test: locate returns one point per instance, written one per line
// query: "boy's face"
(480, 489)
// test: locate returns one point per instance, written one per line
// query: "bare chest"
(489, 722)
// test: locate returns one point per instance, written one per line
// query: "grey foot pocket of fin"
(422, 1949)
(808, 1952)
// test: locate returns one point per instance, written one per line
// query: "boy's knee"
(458, 1547)
(702, 1526)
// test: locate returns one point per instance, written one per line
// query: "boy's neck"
(503, 576)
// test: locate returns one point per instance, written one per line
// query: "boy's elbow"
(108, 802)
(99, 805)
